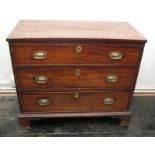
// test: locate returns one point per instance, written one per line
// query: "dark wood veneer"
(66, 54)
(66, 102)
(59, 40)
(66, 78)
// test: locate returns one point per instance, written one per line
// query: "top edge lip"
(75, 39)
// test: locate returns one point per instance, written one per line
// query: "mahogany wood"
(66, 54)
(67, 78)
(59, 40)
(48, 30)
(124, 117)
(67, 102)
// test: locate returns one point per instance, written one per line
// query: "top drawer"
(74, 54)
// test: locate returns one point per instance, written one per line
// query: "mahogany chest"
(75, 68)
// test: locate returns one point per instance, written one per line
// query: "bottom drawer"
(73, 101)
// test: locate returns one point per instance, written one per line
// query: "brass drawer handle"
(116, 55)
(41, 79)
(39, 55)
(78, 49)
(108, 101)
(43, 102)
(76, 95)
(112, 78)
(77, 72)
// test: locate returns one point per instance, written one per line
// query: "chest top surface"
(44, 29)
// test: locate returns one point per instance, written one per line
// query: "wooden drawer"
(49, 78)
(74, 54)
(74, 101)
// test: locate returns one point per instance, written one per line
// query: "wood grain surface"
(67, 78)
(44, 29)
(69, 72)
(66, 54)
(66, 102)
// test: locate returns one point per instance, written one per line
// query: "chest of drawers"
(75, 68)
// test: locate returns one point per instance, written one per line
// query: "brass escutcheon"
(41, 79)
(43, 102)
(78, 49)
(112, 78)
(77, 72)
(116, 55)
(108, 101)
(76, 95)
(39, 55)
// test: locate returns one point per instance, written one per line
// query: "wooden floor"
(142, 122)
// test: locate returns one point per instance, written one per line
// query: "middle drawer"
(49, 78)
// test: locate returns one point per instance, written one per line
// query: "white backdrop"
(140, 13)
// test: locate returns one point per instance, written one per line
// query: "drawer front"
(74, 101)
(74, 54)
(49, 78)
